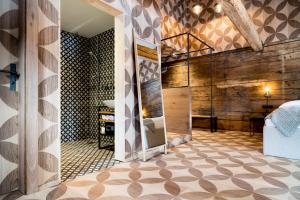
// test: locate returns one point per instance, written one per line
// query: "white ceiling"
(83, 19)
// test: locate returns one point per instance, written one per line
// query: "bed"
(276, 144)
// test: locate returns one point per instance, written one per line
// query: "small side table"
(256, 124)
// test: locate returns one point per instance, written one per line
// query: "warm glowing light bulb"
(218, 8)
(197, 9)
(267, 90)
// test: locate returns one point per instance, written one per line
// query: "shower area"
(87, 103)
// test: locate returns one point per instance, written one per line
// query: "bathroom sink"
(109, 103)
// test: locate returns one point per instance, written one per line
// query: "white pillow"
(291, 103)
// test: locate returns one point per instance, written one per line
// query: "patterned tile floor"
(83, 157)
(225, 165)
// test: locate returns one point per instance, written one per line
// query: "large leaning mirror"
(148, 73)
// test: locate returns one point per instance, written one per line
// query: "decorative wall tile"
(75, 87)
(9, 153)
(274, 21)
(102, 76)
(86, 80)
(149, 70)
(49, 99)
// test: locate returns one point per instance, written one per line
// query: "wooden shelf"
(203, 116)
(106, 113)
(106, 120)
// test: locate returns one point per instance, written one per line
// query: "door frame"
(119, 73)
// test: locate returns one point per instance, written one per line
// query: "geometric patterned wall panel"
(172, 23)
(75, 77)
(274, 20)
(102, 75)
(48, 93)
(148, 71)
(9, 152)
(143, 17)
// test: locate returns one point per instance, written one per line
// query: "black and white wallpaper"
(86, 81)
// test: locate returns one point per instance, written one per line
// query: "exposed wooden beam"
(237, 13)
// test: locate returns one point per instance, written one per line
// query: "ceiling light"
(197, 9)
(218, 8)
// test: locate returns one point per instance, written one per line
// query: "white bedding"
(268, 122)
(275, 144)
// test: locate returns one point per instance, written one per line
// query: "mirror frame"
(142, 127)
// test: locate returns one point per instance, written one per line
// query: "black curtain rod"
(202, 42)
(188, 33)
(186, 52)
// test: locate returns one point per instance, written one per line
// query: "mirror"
(150, 96)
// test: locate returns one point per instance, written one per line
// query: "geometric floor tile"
(83, 157)
(221, 165)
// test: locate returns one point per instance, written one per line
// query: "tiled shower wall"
(75, 75)
(102, 75)
(85, 82)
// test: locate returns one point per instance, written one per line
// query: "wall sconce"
(267, 90)
(267, 95)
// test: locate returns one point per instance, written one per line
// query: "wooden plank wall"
(177, 105)
(239, 77)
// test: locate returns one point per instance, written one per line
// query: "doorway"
(87, 89)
